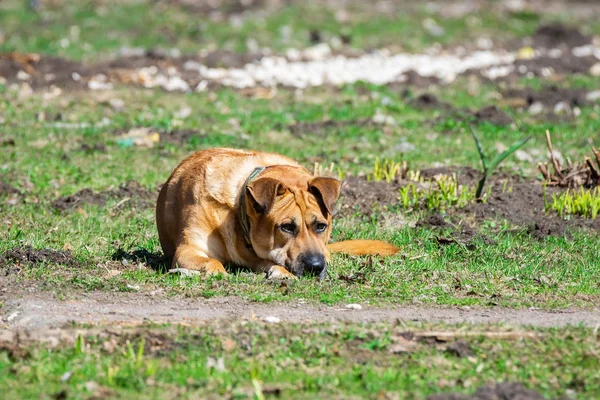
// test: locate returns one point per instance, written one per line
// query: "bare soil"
(11, 260)
(499, 391)
(549, 96)
(428, 101)
(556, 35)
(492, 115)
(6, 189)
(131, 194)
(321, 128)
(42, 310)
(521, 202)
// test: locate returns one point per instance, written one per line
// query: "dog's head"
(290, 218)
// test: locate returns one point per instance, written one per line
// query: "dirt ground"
(42, 310)
(522, 205)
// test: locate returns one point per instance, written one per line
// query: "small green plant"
(79, 345)
(442, 193)
(488, 168)
(386, 170)
(584, 202)
(137, 357)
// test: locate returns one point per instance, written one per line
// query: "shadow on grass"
(155, 260)
(159, 262)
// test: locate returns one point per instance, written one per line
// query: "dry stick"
(570, 181)
(595, 175)
(554, 160)
(573, 174)
(597, 155)
(544, 170)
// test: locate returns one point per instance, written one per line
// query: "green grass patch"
(254, 360)
(584, 202)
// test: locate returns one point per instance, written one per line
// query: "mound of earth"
(500, 391)
(521, 202)
(320, 128)
(555, 35)
(428, 101)
(6, 189)
(362, 197)
(27, 255)
(131, 193)
(548, 96)
(493, 115)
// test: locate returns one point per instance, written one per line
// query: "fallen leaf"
(229, 345)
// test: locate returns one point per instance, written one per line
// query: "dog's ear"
(263, 192)
(327, 191)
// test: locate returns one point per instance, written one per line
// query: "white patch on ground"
(318, 65)
(316, 68)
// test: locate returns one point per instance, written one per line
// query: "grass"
(512, 270)
(55, 146)
(87, 30)
(584, 202)
(508, 268)
(442, 193)
(254, 360)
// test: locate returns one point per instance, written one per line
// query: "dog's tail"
(363, 247)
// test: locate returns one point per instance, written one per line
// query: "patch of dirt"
(43, 70)
(490, 114)
(321, 128)
(499, 391)
(465, 175)
(17, 256)
(96, 148)
(524, 207)
(493, 115)
(428, 101)
(567, 64)
(131, 194)
(556, 35)
(548, 96)
(7, 190)
(435, 221)
(116, 308)
(460, 348)
(84, 196)
(522, 203)
(413, 79)
(363, 197)
(178, 136)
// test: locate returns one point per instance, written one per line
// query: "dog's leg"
(275, 271)
(190, 260)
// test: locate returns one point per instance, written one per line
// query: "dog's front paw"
(184, 272)
(279, 272)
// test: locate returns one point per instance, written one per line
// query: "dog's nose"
(313, 263)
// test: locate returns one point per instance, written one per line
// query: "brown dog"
(258, 210)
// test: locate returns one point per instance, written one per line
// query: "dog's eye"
(320, 227)
(288, 228)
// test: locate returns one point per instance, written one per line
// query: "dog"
(258, 210)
